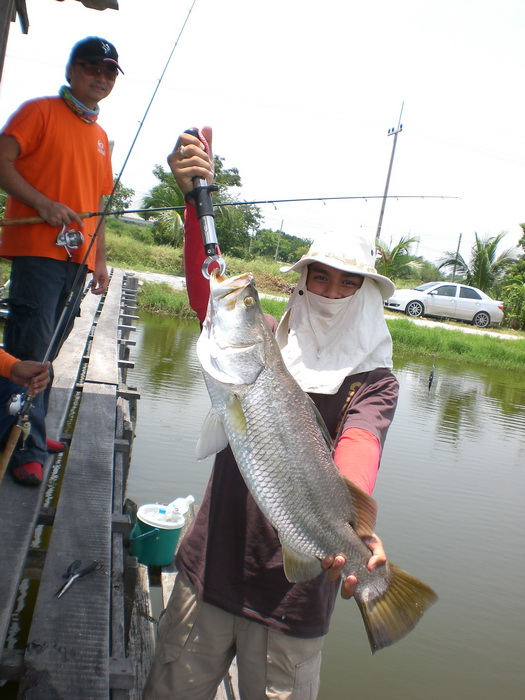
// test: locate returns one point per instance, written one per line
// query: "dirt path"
(180, 283)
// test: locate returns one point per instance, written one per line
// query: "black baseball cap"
(93, 48)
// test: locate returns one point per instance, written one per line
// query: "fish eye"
(249, 301)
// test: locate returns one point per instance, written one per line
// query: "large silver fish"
(280, 445)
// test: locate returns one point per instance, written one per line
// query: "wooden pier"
(97, 640)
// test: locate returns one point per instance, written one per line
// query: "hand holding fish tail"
(192, 157)
(334, 565)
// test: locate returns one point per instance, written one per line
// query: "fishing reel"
(15, 403)
(70, 238)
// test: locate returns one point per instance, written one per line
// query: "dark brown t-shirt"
(231, 553)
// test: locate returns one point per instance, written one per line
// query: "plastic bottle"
(163, 513)
(179, 506)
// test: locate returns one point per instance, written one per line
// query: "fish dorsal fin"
(365, 510)
(213, 437)
(298, 567)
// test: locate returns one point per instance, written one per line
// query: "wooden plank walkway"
(97, 641)
(72, 641)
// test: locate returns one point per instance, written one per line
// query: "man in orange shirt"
(55, 162)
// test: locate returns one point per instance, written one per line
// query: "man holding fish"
(280, 523)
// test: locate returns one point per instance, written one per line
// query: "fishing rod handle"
(204, 206)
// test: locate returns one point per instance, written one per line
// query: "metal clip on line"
(201, 196)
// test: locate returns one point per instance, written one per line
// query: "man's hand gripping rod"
(202, 198)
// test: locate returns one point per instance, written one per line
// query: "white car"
(448, 300)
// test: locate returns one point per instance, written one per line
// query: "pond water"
(450, 494)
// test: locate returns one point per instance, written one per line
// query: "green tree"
(121, 198)
(512, 288)
(234, 222)
(169, 226)
(278, 245)
(396, 262)
(486, 267)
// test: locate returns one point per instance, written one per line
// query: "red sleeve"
(197, 285)
(357, 457)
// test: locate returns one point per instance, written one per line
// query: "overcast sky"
(301, 96)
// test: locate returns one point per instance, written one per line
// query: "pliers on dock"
(73, 574)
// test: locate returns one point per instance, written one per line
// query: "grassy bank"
(408, 338)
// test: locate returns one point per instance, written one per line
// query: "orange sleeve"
(6, 363)
(357, 457)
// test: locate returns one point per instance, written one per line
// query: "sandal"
(54, 447)
(29, 474)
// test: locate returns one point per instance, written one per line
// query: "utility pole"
(391, 132)
(278, 240)
(457, 254)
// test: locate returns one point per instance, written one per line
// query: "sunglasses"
(96, 69)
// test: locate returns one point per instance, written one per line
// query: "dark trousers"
(39, 291)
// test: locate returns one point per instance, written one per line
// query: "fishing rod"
(122, 212)
(22, 421)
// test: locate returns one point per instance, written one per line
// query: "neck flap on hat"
(324, 340)
(87, 115)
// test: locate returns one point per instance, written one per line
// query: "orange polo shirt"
(6, 363)
(66, 159)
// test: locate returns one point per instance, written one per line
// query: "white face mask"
(325, 340)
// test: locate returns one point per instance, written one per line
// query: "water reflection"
(450, 495)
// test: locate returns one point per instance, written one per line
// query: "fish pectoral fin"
(236, 415)
(365, 507)
(213, 437)
(298, 567)
(393, 612)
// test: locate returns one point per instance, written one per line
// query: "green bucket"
(154, 538)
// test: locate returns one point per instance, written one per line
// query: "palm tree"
(486, 266)
(396, 261)
(169, 226)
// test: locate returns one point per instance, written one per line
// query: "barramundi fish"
(282, 449)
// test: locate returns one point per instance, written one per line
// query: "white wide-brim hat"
(346, 252)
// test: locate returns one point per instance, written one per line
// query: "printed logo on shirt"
(100, 147)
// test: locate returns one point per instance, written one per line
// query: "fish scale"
(278, 440)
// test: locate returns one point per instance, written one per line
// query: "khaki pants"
(196, 644)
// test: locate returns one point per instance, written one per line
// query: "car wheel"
(414, 309)
(481, 319)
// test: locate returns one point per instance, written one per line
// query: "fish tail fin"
(392, 614)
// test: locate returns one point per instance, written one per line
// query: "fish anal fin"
(212, 439)
(365, 510)
(298, 567)
(392, 614)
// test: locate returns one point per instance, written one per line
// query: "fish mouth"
(221, 286)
